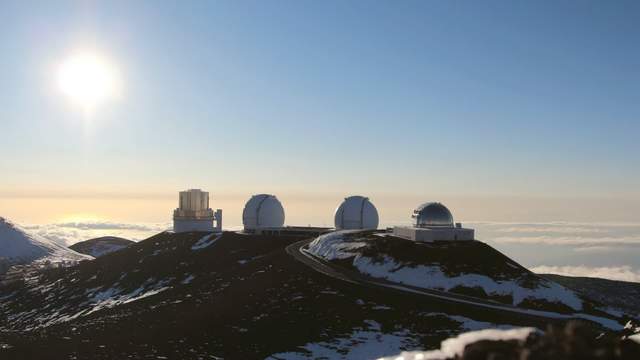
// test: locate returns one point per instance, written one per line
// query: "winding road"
(297, 250)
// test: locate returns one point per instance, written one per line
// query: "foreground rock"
(572, 341)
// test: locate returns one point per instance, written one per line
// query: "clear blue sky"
(515, 98)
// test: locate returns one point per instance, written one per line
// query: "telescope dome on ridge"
(432, 214)
(433, 222)
(263, 211)
(356, 212)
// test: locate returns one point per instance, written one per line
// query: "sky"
(506, 111)
(522, 117)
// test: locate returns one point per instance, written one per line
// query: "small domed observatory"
(356, 212)
(194, 214)
(433, 222)
(262, 212)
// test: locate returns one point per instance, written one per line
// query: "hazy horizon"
(316, 208)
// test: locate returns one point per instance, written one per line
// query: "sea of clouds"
(69, 233)
(604, 250)
(624, 272)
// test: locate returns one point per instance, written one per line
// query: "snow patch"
(432, 277)
(187, 280)
(205, 242)
(113, 296)
(332, 246)
(362, 343)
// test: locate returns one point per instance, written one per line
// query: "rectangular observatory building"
(194, 213)
(457, 233)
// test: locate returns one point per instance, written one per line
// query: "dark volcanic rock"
(191, 295)
(621, 295)
(201, 296)
(494, 350)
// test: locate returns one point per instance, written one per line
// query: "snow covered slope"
(616, 296)
(19, 247)
(101, 246)
(469, 268)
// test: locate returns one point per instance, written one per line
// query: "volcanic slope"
(621, 296)
(101, 246)
(198, 295)
(467, 268)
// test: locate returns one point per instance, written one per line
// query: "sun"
(88, 79)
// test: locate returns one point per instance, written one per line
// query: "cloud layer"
(578, 235)
(623, 273)
(605, 250)
(71, 233)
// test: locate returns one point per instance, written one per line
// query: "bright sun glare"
(88, 79)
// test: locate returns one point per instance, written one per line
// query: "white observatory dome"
(432, 214)
(263, 211)
(356, 212)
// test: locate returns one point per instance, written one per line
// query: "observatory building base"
(433, 234)
(187, 225)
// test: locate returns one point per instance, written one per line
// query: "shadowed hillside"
(199, 295)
